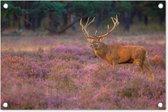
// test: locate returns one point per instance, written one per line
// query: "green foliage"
(150, 8)
(44, 7)
(82, 8)
(89, 8)
(125, 6)
(12, 9)
(34, 11)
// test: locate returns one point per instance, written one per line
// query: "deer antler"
(115, 23)
(100, 37)
(86, 33)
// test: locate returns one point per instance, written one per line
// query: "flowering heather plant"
(72, 77)
(69, 49)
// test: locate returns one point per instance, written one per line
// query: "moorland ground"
(62, 72)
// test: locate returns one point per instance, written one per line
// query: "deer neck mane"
(103, 51)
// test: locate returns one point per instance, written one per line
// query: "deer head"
(96, 40)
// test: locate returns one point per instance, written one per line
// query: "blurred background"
(60, 17)
(43, 48)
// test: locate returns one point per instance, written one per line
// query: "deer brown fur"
(115, 54)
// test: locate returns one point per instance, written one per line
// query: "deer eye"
(96, 45)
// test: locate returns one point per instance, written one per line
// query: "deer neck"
(102, 52)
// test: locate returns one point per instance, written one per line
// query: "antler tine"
(91, 21)
(84, 28)
(115, 23)
(81, 23)
(108, 27)
(87, 21)
(86, 33)
(113, 20)
(116, 20)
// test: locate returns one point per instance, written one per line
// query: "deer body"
(115, 54)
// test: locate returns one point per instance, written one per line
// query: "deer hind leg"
(148, 68)
(139, 65)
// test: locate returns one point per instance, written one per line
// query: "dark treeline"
(57, 16)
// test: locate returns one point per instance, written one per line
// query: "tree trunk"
(97, 20)
(127, 21)
(66, 27)
(65, 18)
(161, 19)
(146, 20)
(139, 14)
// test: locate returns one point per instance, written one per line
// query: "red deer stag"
(115, 54)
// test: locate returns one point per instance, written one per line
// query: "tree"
(125, 10)
(57, 14)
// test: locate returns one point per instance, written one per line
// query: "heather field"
(62, 72)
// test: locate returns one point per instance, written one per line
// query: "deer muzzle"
(95, 46)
